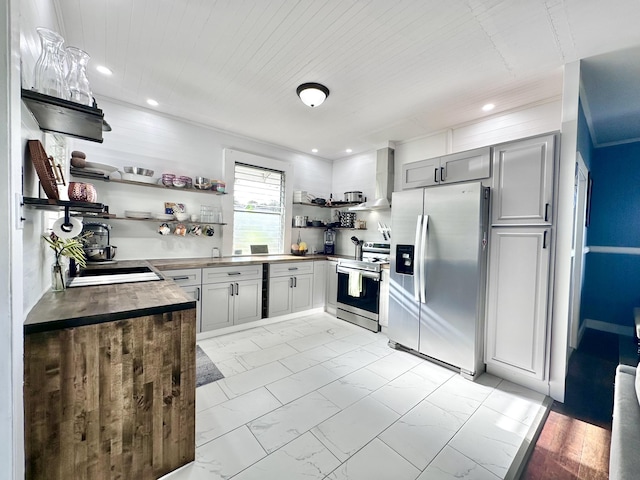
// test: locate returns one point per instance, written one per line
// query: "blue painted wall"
(612, 280)
(585, 143)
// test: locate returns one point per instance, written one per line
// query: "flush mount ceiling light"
(312, 94)
(152, 102)
(488, 107)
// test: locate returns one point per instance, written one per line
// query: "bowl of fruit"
(299, 248)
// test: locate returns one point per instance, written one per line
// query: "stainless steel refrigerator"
(438, 273)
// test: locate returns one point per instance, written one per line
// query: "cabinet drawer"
(290, 268)
(185, 276)
(225, 274)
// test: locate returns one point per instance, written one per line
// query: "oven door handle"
(372, 275)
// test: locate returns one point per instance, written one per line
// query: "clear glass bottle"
(57, 277)
(48, 76)
(77, 80)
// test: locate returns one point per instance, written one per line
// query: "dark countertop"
(80, 306)
(203, 262)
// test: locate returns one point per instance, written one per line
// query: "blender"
(329, 241)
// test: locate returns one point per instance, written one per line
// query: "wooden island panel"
(114, 400)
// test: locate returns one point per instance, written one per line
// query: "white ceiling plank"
(412, 66)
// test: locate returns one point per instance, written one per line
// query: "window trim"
(230, 157)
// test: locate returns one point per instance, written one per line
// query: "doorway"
(578, 249)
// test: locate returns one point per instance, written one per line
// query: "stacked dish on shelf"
(137, 215)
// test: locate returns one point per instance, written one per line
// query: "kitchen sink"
(112, 270)
(109, 275)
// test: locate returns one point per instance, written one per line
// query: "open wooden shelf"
(57, 115)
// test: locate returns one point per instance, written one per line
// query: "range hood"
(384, 182)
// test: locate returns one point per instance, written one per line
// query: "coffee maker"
(97, 247)
(329, 241)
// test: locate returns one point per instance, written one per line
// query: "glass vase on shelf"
(48, 75)
(77, 80)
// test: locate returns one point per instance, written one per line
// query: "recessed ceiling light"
(314, 150)
(348, 150)
(152, 102)
(488, 107)
(104, 70)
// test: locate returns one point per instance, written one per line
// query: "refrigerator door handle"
(423, 259)
(416, 260)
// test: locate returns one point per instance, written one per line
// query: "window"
(258, 209)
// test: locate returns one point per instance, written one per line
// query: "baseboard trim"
(608, 327)
(615, 250)
(581, 330)
(257, 323)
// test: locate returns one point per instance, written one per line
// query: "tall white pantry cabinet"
(520, 252)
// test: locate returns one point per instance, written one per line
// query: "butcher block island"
(109, 382)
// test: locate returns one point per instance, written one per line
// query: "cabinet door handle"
(290, 282)
(237, 289)
(441, 174)
(546, 212)
(544, 239)
(435, 175)
(180, 278)
(197, 294)
(231, 286)
(295, 282)
(234, 273)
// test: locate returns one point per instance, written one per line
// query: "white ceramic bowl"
(181, 216)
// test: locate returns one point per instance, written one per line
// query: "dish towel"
(355, 284)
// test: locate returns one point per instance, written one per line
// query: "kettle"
(358, 243)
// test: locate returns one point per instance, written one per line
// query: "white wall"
(11, 291)
(144, 138)
(358, 173)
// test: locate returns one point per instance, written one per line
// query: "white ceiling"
(610, 93)
(396, 69)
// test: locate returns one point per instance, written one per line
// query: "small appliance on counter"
(329, 241)
(98, 247)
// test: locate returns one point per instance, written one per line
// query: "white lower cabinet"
(290, 287)
(190, 280)
(231, 296)
(332, 287)
(319, 283)
(518, 289)
(385, 279)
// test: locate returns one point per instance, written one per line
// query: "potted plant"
(67, 247)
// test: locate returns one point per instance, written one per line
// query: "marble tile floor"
(319, 398)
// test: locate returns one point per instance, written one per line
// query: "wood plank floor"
(574, 442)
(569, 448)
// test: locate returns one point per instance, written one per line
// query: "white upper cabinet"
(423, 173)
(523, 182)
(457, 167)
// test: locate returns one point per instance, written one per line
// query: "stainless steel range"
(359, 286)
